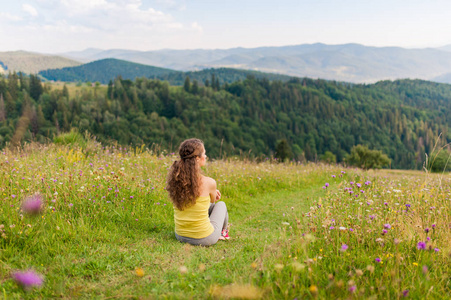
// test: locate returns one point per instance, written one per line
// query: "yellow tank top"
(193, 221)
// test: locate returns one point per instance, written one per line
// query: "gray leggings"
(218, 218)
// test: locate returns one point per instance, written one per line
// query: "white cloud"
(30, 9)
(9, 17)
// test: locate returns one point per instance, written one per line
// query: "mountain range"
(348, 62)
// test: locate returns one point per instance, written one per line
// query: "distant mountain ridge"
(32, 63)
(347, 62)
(108, 69)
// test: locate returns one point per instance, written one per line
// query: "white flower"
(342, 228)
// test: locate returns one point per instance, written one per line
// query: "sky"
(57, 26)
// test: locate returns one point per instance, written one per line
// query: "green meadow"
(297, 230)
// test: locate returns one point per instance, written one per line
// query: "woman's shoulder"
(208, 182)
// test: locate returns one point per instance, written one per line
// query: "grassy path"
(256, 230)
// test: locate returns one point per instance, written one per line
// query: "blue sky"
(53, 26)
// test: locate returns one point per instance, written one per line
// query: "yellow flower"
(415, 264)
(139, 272)
(313, 289)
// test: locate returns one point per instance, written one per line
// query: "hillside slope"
(32, 63)
(108, 69)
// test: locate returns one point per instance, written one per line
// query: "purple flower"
(433, 226)
(33, 205)
(131, 197)
(331, 227)
(352, 288)
(327, 184)
(436, 249)
(407, 205)
(333, 176)
(387, 226)
(384, 231)
(14, 196)
(405, 293)
(28, 279)
(421, 246)
(344, 247)
(358, 185)
(426, 230)
(378, 259)
(385, 203)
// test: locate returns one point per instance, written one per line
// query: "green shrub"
(364, 158)
(440, 161)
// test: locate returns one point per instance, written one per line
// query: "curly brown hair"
(184, 177)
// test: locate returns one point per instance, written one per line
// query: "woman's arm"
(213, 192)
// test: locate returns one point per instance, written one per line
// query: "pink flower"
(28, 279)
(33, 205)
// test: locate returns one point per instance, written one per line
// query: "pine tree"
(187, 84)
(2, 109)
(36, 88)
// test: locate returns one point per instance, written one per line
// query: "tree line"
(316, 119)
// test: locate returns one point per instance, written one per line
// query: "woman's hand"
(218, 195)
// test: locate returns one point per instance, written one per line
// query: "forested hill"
(401, 118)
(108, 69)
(105, 70)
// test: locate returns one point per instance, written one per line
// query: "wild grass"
(107, 229)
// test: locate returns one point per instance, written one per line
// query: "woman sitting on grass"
(198, 219)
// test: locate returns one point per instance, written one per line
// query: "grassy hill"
(32, 63)
(107, 69)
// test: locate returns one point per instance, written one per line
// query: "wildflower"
(436, 249)
(426, 230)
(139, 272)
(313, 289)
(358, 272)
(352, 288)
(384, 231)
(333, 176)
(405, 293)
(425, 269)
(344, 247)
(331, 227)
(387, 226)
(28, 279)
(342, 228)
(327, 184)
(421, 246)
(378, 260)
(33, 205)
(433, 226)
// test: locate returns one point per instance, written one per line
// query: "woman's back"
(193, 221)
